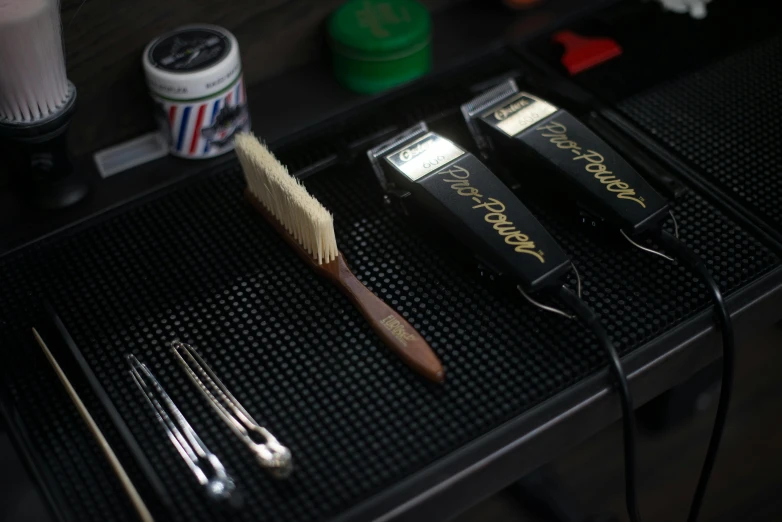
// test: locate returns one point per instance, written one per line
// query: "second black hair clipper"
(520, 129)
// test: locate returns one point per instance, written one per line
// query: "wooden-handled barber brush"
(309, 229)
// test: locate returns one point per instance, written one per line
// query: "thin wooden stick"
(143, 513)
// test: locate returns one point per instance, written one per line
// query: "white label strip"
(424, 155)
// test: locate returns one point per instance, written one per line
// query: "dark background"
(104, 41)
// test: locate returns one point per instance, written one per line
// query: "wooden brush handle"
(395, 331)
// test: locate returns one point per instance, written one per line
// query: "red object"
(582, 53)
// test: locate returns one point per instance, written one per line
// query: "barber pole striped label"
(206, 127)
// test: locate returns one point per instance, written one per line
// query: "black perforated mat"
(197, 264)
(725, 120)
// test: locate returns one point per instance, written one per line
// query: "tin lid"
(379, 29)
(192, 62)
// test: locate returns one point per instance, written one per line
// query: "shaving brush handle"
(397, 334)
(390, 326)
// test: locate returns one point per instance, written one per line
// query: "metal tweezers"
(271, 455)
(217, 483)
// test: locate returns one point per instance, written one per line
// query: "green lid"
(380, 43)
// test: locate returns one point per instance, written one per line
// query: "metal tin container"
(377, 44)
(194, 74)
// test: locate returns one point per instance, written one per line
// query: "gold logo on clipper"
(595, 162)
(494, 212)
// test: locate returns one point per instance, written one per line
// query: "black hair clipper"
(515, 127)
(462, 195)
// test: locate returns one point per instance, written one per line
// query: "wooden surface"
(104, 41)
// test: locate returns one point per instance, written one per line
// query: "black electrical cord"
(688, 258)
(691, 260)
(588, 316)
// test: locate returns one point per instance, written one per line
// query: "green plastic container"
(377, 44)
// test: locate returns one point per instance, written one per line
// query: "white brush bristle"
(287, 200)
(33, 84)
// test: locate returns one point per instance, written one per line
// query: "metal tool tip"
(220, 489)
(277, 460)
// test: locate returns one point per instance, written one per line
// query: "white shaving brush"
(36, 98)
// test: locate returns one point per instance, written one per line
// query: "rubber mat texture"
(196, 263)
(725, 120)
